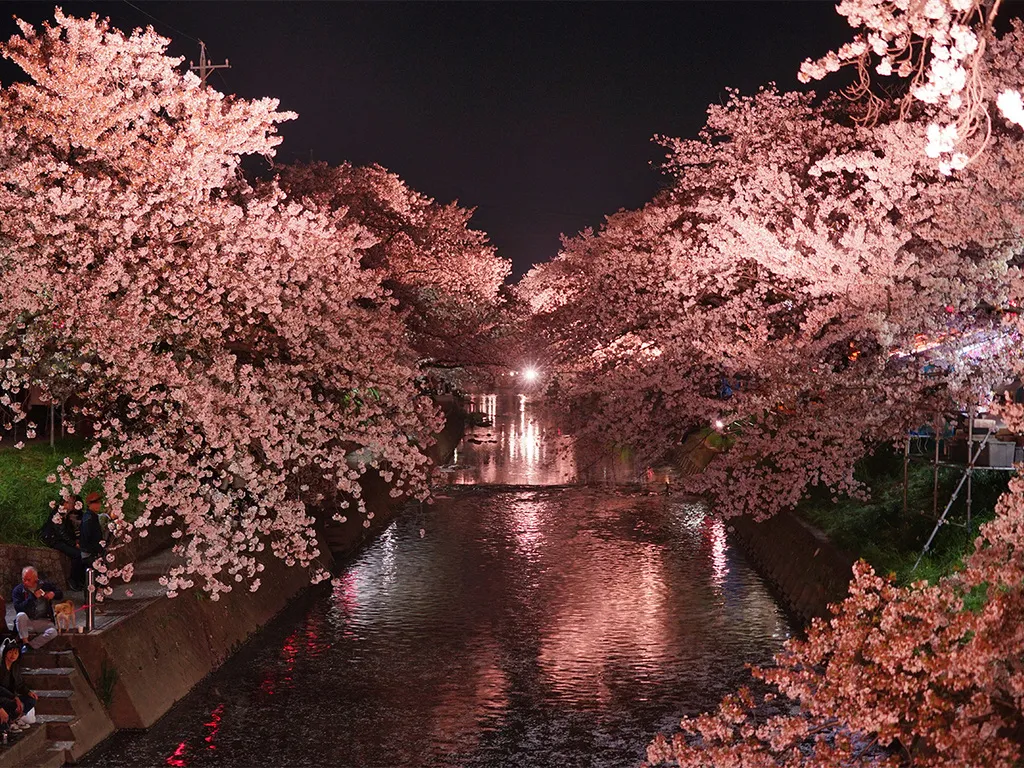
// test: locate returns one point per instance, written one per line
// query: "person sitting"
(63, 537)
(5, 629)
(17, 701)
(33, 600)
(91, 533)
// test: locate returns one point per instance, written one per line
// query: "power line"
(204, 69)
(162, 23)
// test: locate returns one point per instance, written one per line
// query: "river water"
(525, 626)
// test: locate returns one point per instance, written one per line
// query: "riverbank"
(892, 540)
(158, 654)
(805, 569)
(147, 651)
(807, 555)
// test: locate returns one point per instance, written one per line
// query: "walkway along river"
(521, 626)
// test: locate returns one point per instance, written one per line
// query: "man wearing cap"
(33, 600)
(91, 533)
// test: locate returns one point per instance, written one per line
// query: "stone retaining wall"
(54, 566)
(804, 567)
(15, 557)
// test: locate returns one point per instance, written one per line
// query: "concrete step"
(52, 679)
(21, 746)
(45, 758)
(55, 702)
(47, 659)
(58, 727)
(91, 725)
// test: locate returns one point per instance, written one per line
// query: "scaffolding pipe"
(906, 462)
(935, 473)
(970, 465)
(971, 457)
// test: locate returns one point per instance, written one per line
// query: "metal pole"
(90, 593)
(906, 462)
(970, 464)
(935, 473)
(949, 506)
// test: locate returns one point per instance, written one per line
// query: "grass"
(890, 540)
(25, 495)
(105, 686)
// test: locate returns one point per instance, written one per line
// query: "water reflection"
(522, 445)
(529, 627)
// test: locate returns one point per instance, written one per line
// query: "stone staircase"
(70, 720)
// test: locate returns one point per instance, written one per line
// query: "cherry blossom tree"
(780, 289)
(937, 52)
(794, 259)
(445, 276)
(241, 368)
(927, 675)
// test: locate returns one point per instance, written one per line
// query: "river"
(540, 624)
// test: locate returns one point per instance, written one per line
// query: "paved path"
(126, 599)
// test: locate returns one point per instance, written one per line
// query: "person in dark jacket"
(33, 600)
(91, 533)
(17, 701)
(63, 537)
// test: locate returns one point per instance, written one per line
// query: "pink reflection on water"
(277, 679)
(178, 757)
(519, 448)
(527, 522)
(611, 611)
(214, 726)
(470, 693)
(714, 532)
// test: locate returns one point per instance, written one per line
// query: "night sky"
(540, 115)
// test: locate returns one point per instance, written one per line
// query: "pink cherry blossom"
(232, 350)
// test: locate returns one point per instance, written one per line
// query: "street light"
(530, 374)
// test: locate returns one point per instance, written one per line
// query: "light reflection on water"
(524, 447)
(543, 627)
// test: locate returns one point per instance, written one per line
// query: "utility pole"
(205, 68)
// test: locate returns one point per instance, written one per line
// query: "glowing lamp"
(530, 374)
(719, 424)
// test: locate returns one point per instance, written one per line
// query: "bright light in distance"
(719, 424)
(530, 374)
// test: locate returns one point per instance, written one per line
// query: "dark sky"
(538, 114)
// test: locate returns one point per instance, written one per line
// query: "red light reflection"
(180, 757)
(276, 679)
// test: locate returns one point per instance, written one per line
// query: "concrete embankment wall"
(806, 570)
(156, 656)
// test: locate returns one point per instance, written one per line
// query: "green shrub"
(880, 532)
